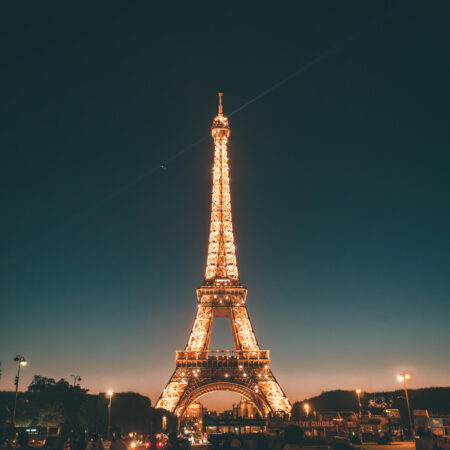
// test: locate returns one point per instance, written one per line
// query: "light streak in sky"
(163, 165)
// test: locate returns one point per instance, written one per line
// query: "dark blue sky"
(339, 178)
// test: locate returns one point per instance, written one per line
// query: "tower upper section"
(221, 266)
(220, 127)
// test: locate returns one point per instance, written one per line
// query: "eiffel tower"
(244, 370)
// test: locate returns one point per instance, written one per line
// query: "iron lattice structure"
(244, 370)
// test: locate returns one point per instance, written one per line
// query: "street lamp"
(403, 378)
(110, 394)
(21, 361)
(306, 406)
(76, 379)
(358, 393)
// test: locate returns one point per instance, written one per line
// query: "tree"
(46, 385)
(25, 413)
(91, 415)
(42, 384)
(296, 411)
(130, 411)
(45, 391)
(52, 415)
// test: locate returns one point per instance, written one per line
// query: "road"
(394, 446)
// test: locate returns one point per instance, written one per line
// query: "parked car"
(443, 443)
(339, 443)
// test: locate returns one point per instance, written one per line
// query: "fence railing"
(222, 355)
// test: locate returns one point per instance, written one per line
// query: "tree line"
(435, 399)
(48, 403)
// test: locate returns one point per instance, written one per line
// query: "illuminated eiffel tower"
(244, 370)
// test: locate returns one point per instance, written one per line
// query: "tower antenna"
(220, 102)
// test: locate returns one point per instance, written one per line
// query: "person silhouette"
(293, 437)
(424, 441)
(23, 439)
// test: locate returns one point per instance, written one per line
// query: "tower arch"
(207, 387)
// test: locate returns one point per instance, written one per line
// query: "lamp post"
(110, 394)
(404, 377)
(21, 361)
(306, 406)
(358, 393)
(76, 379)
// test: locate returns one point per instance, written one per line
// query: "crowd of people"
(70, 440)
(291, 439)
(65, 440)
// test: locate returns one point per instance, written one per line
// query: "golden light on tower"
(221, 264)
(200, 370)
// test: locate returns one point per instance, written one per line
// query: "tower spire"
(220, 94)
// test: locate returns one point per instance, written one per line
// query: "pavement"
(393, 446)
(371, 446)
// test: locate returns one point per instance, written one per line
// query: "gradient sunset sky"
(339, 177)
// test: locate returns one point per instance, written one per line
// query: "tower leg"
(201, 331)
(244, 331)
(275, 396)
(173, 391)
